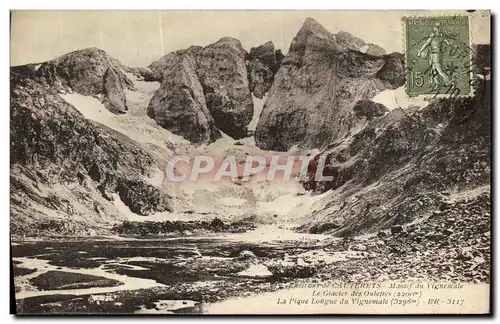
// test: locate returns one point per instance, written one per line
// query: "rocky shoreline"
(449, 245)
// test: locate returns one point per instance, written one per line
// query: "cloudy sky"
(137, 38)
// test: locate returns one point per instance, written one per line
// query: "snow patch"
(364, 48)
(147, 87)
(43, 266)
(90, 107)
(397, 98)
(135, 124)
(274, 233)
(232, 201)
(125, 210)
(255, 271)
(167, 306)
(258, 105)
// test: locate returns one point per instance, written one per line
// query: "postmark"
(438, 56)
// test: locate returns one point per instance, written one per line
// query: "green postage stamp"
(438, 56)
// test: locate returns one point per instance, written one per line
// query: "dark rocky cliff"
(90, 72)
(179, 105)
(401, 165)
(221, 71)
(66, 169)
(263, 63)
(388, 166)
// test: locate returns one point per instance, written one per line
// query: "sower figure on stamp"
(435, 41)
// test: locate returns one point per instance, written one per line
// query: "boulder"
(396, 229)
(382, 234)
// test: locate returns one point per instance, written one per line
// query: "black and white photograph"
(250, 162)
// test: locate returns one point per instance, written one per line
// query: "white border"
(253, 5)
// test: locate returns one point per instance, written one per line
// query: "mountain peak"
(89, 50)
(229, 40)
(260, 50)
(93, 49)
(312, 25)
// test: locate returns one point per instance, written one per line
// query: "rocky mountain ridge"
(401, 164)
(220, 70)
(179, 105)
(310, 103)
(90, 72)
(388, 166)
(67, 170)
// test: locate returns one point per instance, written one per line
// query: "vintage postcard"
(250, 162)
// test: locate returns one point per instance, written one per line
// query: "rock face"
(90, 72)
(356, 44)
(114, 96)
(320, 79)
(66, 170)
(263, 63)
(167, 62)
(369, 109)
(393, 170)
(449, 244)
(393, 71)
(402, 164)
(388, 167)
(179, 105)
(142, 73)
(221, 71)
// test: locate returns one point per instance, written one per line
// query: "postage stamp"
(438, 55)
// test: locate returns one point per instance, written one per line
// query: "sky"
(137, 38)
